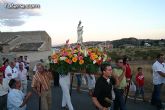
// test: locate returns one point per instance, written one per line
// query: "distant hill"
(124, 42)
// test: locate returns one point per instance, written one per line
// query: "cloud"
(12, 22)
(15, 17)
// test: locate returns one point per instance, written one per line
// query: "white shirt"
(163, 78)
(13, 72)
(15, 99)
(157, 79)
(17, 65)
(4, 87)
(22, 75)
(27, 61)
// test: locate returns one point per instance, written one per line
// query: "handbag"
(132, 87)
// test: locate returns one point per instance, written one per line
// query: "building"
(34, 44)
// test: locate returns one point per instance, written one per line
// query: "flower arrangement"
(68, 59)
(77, 59)
(94, 57)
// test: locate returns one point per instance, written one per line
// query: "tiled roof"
(6, 37)
(27, 47)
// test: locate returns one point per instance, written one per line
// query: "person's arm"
(7, 73)
(97, 104)
(34, 86)
(26, 99)
(137, 82)
(116, 83)
(120, 78)
(161, 73)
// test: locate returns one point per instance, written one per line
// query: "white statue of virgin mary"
(79, 33)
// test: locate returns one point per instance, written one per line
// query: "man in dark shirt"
(102, 96)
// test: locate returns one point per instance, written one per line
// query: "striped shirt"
(42, 81)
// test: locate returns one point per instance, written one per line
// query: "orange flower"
(67, 60)
(93, 56)
(81, 62)
(74, 59)
(54, 56)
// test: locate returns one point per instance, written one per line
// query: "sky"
(102, 19)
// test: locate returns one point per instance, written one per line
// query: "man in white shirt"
(11, 71)
(158, 76)
(3, 92)
(16, 99)
(22, 76)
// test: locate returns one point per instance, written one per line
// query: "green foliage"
(137, 53)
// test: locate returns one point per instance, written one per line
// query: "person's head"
(6, 62)
(106, 70)
(14, 84)
(21, 66)
(25, 57)
(40, 68)
(41, 60)
(139, 69)
(12, 64)
(119, 62)
(21, 58)
(160, 58)
(125, 60)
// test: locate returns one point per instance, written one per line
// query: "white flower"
(94, 61)
(62, 58)
(85, 52)
(75, 55)
(105, 57)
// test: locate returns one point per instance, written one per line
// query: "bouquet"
(76, 59)
(68, 59)
(94, 57)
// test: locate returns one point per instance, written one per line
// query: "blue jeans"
(156, 96)
(139, 90)
(119, 101)
(79, 79)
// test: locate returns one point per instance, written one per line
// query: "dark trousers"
(79, 79)
(156, 96)
(119, 102)
(3, 102)
(56, 79)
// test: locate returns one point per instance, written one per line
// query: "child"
(139, 83)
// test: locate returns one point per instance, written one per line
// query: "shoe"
(63, 108)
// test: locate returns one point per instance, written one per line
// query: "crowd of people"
(108, 92)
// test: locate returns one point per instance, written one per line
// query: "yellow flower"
(81, 62)
(74, 59)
